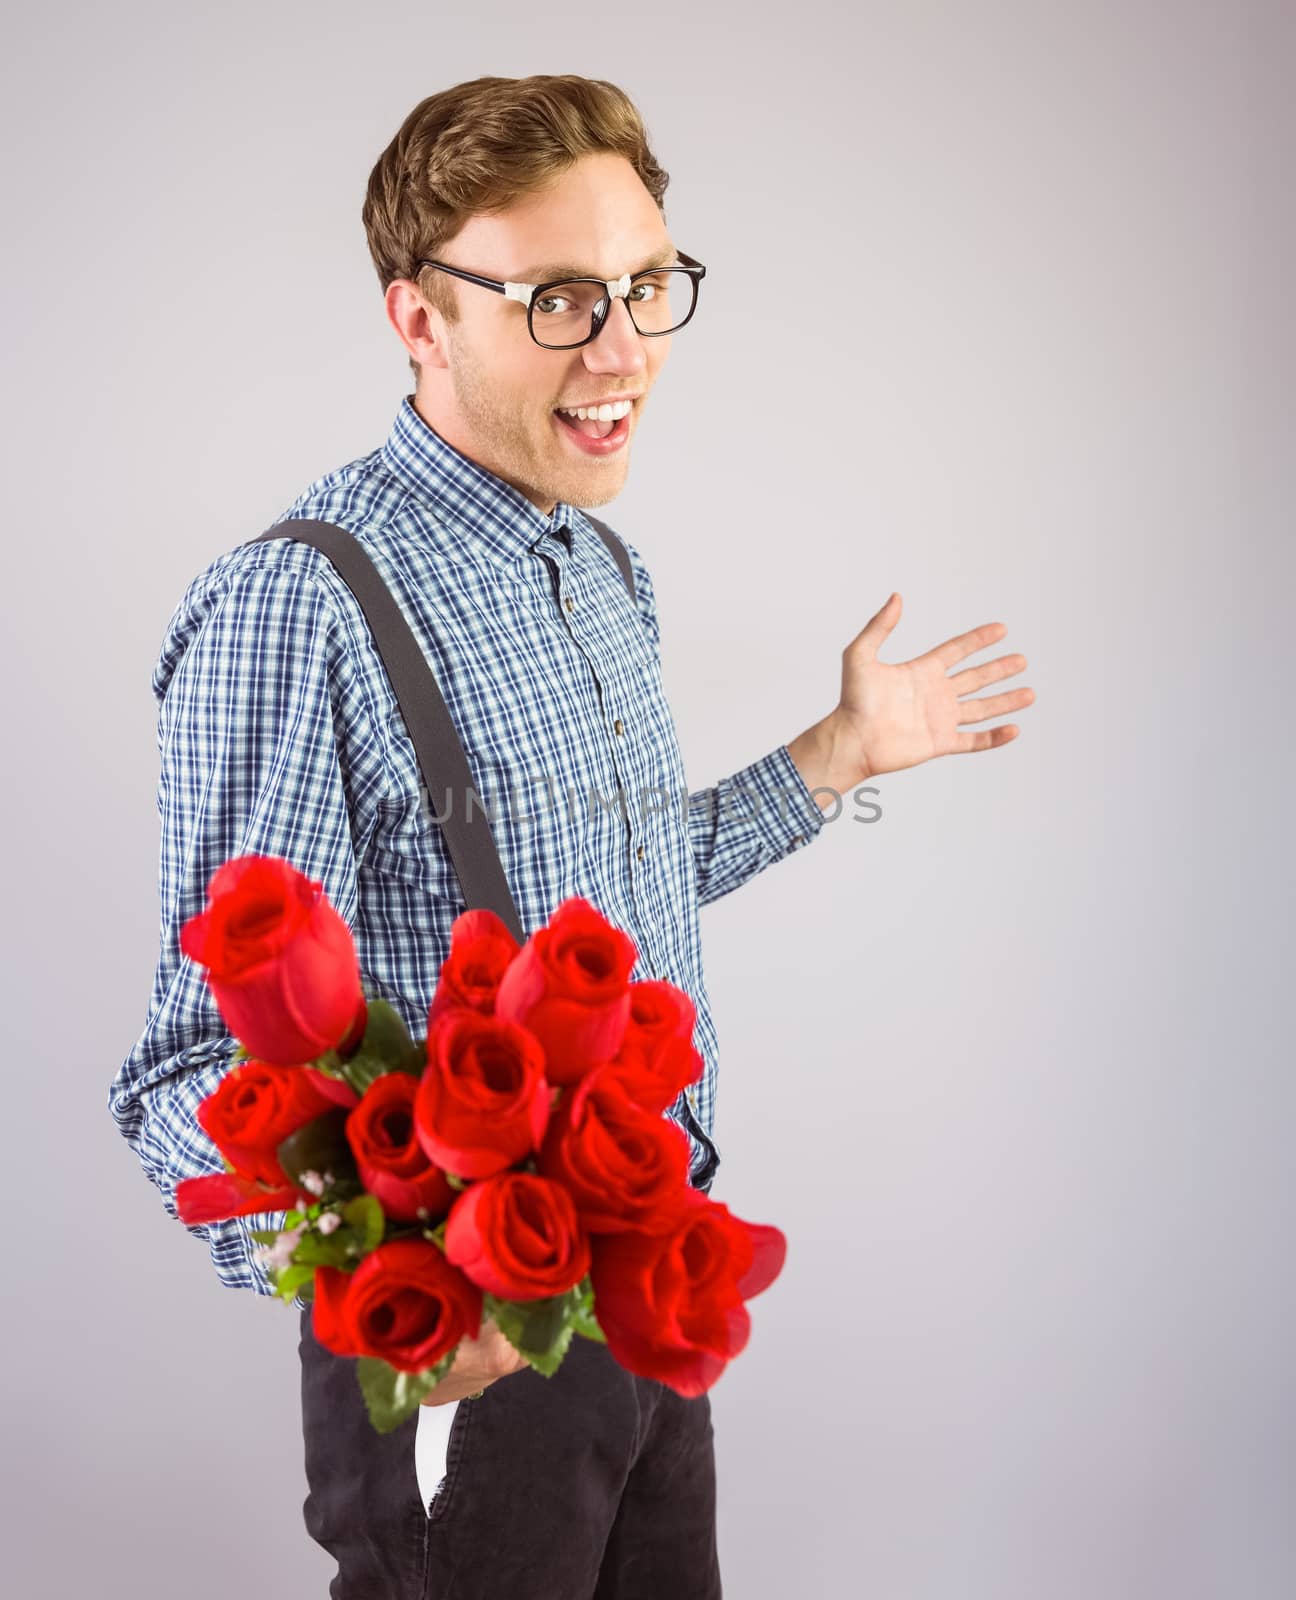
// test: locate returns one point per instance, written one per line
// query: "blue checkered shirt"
(279, 734)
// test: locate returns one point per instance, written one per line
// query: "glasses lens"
(658, 302)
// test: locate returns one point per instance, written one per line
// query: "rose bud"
(517, 1236)
(671, 1305)
(280, 961)
(392, 1164)
(623, 1166)
(570, 985)
(254, 1109)
(654, 1075)
(481, 948)
(482, 1103)
(405, 1304)
(658, 1010)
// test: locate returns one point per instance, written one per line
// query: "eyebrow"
(564, 269)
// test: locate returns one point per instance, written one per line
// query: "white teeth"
(602, 413)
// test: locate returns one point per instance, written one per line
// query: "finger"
(872, 636)
(990, 739)
(966, 644)
(994, 705)
(972, 678)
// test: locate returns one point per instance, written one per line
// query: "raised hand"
(892, 716)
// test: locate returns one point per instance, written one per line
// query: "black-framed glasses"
(568, 312)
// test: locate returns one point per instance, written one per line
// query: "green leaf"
(541, 1330)
(265, 1235)
(385, 1037)
(543, 1321)
(320, 1146)
(589, 1329)
(325, 1249)
(390, 1396)
(365, 1216)
(329, 1065)
(362, 1070)
(547, 1362)
(288, 1282)
(386, 1047)
(583, 1320)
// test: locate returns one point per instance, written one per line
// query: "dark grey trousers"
(593, 1484)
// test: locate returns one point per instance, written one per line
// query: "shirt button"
(640, 852)
(619, 725)
(569, 603)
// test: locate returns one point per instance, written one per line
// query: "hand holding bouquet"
(513, 1167)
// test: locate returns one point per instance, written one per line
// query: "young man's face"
(486, 387)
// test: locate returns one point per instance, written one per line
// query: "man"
(279, 734)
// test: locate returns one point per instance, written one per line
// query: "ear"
(419, 325)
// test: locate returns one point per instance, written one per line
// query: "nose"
(619, 346)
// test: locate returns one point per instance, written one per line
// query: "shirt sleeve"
(746, 821)
(267, 746)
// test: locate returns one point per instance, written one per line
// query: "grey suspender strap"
(619, 552)
(437, 745)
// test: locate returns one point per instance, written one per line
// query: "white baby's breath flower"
(280, 1252)
(328, 1220)
(312, 1182)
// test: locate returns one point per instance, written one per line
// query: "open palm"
(901, 715)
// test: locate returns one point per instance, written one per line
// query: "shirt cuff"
(777, 801)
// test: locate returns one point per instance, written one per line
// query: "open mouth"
(594, 437)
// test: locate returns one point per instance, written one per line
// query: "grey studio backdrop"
(1009, 1065)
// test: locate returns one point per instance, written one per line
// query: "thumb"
(873, 635)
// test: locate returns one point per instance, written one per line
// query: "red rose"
(657, 1058)
(570, 985)
(254, 1109)
(404, 1304)
(623, 1166)
(482, 1103)
(481, 947)
(654, 1075)
(658, 1010)
(280, 960)
(518, 1237)
(218, 1195)
(391, 1162)
(671, 1305)
(338, 1090)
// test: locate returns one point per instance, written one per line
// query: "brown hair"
(477, 147)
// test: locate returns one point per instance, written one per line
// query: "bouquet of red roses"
(515, 1164)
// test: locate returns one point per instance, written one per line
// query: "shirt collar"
(460, 492)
